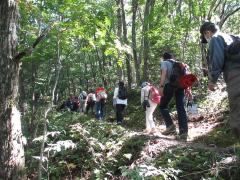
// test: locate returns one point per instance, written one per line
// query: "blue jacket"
(217, 47)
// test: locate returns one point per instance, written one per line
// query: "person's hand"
(161, 91)
(188, 94)
(211, 86)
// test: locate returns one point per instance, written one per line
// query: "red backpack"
(154, 95)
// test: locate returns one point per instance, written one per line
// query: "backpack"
(154, 95)
(122, 93)
(90, 99)
(102, 95)
(232, 51)
(179, 69)
(83, 95)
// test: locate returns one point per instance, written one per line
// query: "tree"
(146, 44)
(11, 144)
(134, 42)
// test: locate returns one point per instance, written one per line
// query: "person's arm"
(115, 93)
(188, 94)
(142, 95)
(162, 80)
(216, 56)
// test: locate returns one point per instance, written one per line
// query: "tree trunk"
(134, 43)
(101, 64)
(50, 106)
(146, 45)
(11, 144)
(119, 34)
(125, 40)
(22, 94)
(33, 105)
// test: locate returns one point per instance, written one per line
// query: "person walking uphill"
(149, 106)
(167, 91)
(91, 99)
(82, 97)
(101, 97)
(120, 98)
(221, 60)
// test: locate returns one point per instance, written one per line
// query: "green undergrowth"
(221, 135)
(79, 146)
(195, 163)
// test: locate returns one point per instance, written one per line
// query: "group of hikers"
(176, 82)
(150, 98)
(223, 57)
(93, 101)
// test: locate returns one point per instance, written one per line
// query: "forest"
(52, 49)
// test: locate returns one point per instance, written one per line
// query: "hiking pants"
(90, 105)
(149, 115)
(169, 91)
(82, 107)
(233, 89)
(119, 112)
(100, 109)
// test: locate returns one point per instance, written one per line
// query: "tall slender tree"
(12, 160)
(134, 41)
(146, 42)
(125, 40)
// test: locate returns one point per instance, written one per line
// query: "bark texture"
(11, 144)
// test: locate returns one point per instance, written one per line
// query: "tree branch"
(223, 20)
(29, 50)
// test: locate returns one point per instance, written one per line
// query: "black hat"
(121, 83)
(167, 55)
(208, 26)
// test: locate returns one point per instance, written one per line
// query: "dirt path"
(209, 117)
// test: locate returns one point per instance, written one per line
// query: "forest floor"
(83, 148)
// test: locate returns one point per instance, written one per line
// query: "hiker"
(149, 107)
(219, 62)
(167, 91)
(82, 98)
(75, 103)
(66, 105)
(69, 103)
(101, 97)
(91, 100)
(120, 99)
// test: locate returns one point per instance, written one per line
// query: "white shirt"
(91, 95)
(118, 101)
(145, 93)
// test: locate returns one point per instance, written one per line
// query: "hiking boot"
(146, 131)
(153, 131)
(119, 123)
(169, 130)
(182, 137)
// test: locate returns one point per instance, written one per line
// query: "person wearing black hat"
(219, 63)
(120, 101)
(167, 92)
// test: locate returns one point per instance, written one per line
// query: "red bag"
(154, 95)
(187, 80)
